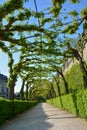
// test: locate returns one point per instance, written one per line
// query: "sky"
(41, 4)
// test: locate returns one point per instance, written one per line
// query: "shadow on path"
(33, 119)
(45, 117)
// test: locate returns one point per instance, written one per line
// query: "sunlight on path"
(45, 117)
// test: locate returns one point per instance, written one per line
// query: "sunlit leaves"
(23, 15)
(55, 10)
(84, 13)
(46, 20)
(73, 13)
(85, 25)
(10, 6)
(74, 1)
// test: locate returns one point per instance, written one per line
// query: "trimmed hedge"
(9, 109)
(75, 103)
(74, 78)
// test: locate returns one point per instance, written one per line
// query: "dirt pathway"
(45, 117)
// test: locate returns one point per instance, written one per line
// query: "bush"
(9, 109)
(75, 103)
(74, 78)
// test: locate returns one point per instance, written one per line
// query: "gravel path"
(45, 117)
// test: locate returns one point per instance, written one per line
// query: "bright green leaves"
(73, 13)
(23, 15)
(85, 25)
(57, 5)
(70, 29)
(46, 20)
(58, 1)
(54, 10)
(76, 20)
(26, 27)
(10, 6)
(84, 13)
(74, 1)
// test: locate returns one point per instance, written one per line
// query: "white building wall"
(4, 91)
(85, 53)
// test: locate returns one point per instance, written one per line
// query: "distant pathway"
(45, 117)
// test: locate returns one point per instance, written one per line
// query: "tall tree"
(78, 53)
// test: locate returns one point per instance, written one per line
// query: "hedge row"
(75, 103)
(9, 109)
(74, 78)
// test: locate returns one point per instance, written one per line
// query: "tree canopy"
(38, 38)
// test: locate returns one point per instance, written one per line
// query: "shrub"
(9, 109)
(75, 103)
(74, 78)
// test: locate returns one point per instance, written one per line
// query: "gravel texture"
(45, 117)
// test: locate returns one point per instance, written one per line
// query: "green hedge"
(74, 78)
(75, 103)
(9, 109)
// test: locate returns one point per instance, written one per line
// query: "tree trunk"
(26, 91)
(22, 90)
(12, 85)
(58, 87)
(84, 71)
(52, 92)
(65, 83)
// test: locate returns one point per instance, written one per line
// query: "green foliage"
(73, 13)
(62, 87)
(74, 78)
(57, 5)
(10, 6)
(85, 26)
(9, 109)
(46, 20)
(84, 12)
(71, 28)
(18, 29)
(40, 90)
(75, 103)
(74, 1)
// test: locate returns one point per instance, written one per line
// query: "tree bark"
(22, 90)
(52, 92)
(12, 85)
(26, 91)
(65, 82)
(83, 70)
(58, 87)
